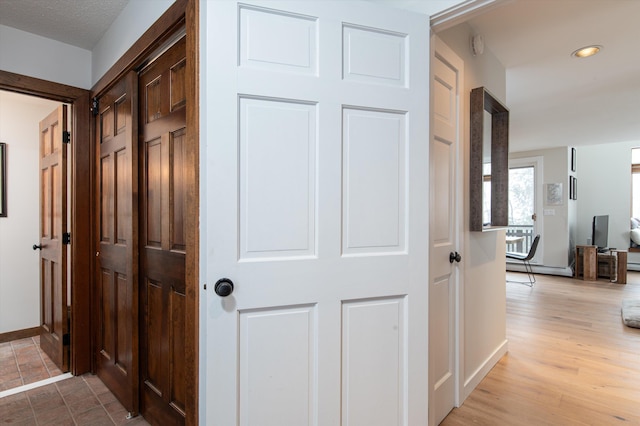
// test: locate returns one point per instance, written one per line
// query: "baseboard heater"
(545, 270)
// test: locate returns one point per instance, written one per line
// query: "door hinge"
(66, 339)
(66, 137)
(66, 238)
(95, 106)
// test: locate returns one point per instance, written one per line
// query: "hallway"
(80, 400)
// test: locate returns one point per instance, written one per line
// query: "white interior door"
(316, 209)
(444, 225)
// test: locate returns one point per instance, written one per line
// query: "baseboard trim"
(35, 385)
(19, 334)
(477, 376)
(633, 267)
(537, 269)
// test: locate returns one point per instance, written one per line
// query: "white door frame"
(444, 53)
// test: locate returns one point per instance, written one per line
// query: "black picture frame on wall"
(3, 179)
(573, 159)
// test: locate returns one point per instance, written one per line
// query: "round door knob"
(223, 287)
(37, 246)
(454, 257)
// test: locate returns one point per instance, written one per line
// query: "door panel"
(54, 338)
(444, 225)
(317, 192)
(117, 258)
(162, 238)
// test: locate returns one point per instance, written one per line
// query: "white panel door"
(316, 209)
(445, 223)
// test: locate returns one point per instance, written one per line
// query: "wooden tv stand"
(611, 264)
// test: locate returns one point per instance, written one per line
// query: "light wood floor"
(571, 360)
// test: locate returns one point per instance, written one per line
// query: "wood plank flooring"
(571, 360)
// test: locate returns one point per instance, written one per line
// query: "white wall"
(556, 237)
(133, 21)
(35, 56)
(484, 291)
(19, 275)
(604, 187)
(51, 60)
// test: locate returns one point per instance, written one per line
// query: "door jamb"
(81, 196)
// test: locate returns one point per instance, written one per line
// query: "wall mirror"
(489, 162)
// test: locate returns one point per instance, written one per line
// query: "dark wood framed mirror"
(489, 162)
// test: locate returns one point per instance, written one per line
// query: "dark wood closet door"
(117, 252)
(162, 237)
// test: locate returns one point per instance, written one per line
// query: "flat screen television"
(600, 232)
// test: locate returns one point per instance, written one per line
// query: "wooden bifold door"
(162, 237)
(141, 255)
(116, 289)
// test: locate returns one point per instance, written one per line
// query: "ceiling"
(555, 100)
(80, 23)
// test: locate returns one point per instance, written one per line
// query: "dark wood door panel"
(115, 359)
(163, 338)
(164, 168)
(166, 266)
(54, 331)
(157, 128)
(113, 258)
(116, 295)
(162, 238)
(54, 315)
(114, 292)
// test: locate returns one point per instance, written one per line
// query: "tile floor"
(80, 400)
(22, 362)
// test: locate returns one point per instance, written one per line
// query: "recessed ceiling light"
(585, 52)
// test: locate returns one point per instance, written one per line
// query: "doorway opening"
(20, 307)
(524, 199)
(79, 202)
